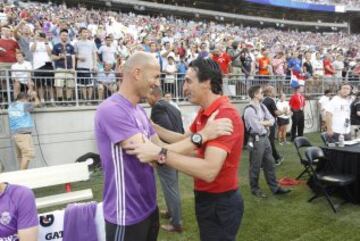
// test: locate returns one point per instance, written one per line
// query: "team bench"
(51, 176)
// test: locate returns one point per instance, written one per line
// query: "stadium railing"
(90, 88)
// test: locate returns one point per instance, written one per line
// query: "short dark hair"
(253, 90)
(22, 96)
(156, 91)
(327, 92)
(82, 29)
(64, 30)
(208, 69)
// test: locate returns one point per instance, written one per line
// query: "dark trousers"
(170, 185)
(219, 215)
(146, 230)
(297, 124)
(261, 156)
(272, 142)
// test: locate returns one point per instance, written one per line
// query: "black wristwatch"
(196, 139)
(162, 156)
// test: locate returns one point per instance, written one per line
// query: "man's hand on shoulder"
(216, 127)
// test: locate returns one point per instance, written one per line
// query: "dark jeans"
(272, 142)
(298, 120)
(219, 215)
(146, 230)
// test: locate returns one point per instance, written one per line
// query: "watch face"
(196, 138)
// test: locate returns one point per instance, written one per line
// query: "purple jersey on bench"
(17, 211)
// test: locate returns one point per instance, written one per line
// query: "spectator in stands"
(297, 105)
(23, 35)
(264, 65)
(167, 50)
(41, 50)
(21, 125)
(283, 120)
(278, 65)
(318, 66)
(63, 55)
(156, 53)
(246, 62)
(236, 69)
(108, 52)
(294, 62)
(106, 82)
(338, 65)
(170, 74)
(8, 48)
(338, 113)
(167, 116)
(329, 72)
(85, 51)
(19, 218)
(203, 53)
(355, 117)
(21, 75)
(323, 103)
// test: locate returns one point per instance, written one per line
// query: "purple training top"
(129, 185)
(17, 211)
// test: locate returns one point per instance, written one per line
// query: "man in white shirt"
(108, 52)
(85, 51)
(338, 115)
(21, 78)
(323, 102)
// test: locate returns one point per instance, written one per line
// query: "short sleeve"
(118, 125)
(27, 213)
(228, 142)
(193, 128)
(330, 107)
(55, 50)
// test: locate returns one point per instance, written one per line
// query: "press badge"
(257, 138)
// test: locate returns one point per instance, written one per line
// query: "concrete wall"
(61, 135)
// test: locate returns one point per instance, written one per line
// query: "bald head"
(140, 60)
(141, 74)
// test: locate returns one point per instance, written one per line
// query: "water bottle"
(341, 140)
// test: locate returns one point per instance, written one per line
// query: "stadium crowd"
(97, 43)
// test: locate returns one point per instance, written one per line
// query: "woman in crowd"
(283, 120)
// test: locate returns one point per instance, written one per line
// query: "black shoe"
(259, 194)
(282, 191)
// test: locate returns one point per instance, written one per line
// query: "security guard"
(257, 121)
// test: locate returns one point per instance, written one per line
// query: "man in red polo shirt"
(218, 202)
(297, 104)
(8, 48)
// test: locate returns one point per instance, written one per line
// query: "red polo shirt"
(227, 178)
(10, 46)
(297, 102)
(223, 61)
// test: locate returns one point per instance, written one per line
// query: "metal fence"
(75, 88)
